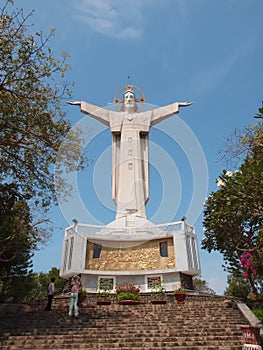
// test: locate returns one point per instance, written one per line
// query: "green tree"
(238, 286)
(32, 121)
(233, 215)
(33, 127)
(17, 243)
(243, 143)
(201, 286)
(42, 281)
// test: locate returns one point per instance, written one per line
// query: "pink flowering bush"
(127, 288)
(247, 264)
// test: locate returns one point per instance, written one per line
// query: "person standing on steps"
(50, 294)
(75, 285)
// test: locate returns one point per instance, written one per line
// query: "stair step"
(196, 325)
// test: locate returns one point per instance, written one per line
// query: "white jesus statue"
(130, 129)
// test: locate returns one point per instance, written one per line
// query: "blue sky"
(206, 51)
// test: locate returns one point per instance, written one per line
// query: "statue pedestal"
(139, 253)
(131, 249)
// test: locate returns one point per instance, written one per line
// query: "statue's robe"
(130, 174)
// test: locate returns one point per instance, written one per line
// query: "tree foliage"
(238, 286)
(243, 143)
(16, 230)
(33, 126)
(32, 121)
(201, 286)
(31, 286)
(42, 281)
(17, 242)
(233, 215)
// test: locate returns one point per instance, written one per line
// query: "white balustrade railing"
(86, 230)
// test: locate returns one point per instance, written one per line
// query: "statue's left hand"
(74, 103)
(184, 104)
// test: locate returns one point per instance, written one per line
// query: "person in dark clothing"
(50, 294)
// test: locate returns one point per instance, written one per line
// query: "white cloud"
(125, 19)
(119, 18)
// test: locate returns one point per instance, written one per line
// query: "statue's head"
(128, 99)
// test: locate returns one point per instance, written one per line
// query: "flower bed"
(128, 292)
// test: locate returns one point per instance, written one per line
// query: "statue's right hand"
(74, 103)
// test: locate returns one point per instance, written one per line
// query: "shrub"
(128, 296)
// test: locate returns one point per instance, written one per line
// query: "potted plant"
(180, 295)
(82, 296)
(158, 292)
(128, 294)
(104, 295)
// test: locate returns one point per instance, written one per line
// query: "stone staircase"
(200, 323)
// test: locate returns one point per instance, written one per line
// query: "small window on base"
(163, 249)
(96, 251)
(105, 284)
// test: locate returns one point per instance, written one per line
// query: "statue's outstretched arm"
(101, 114)
(161, 113)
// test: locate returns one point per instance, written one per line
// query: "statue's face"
(129, 99)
